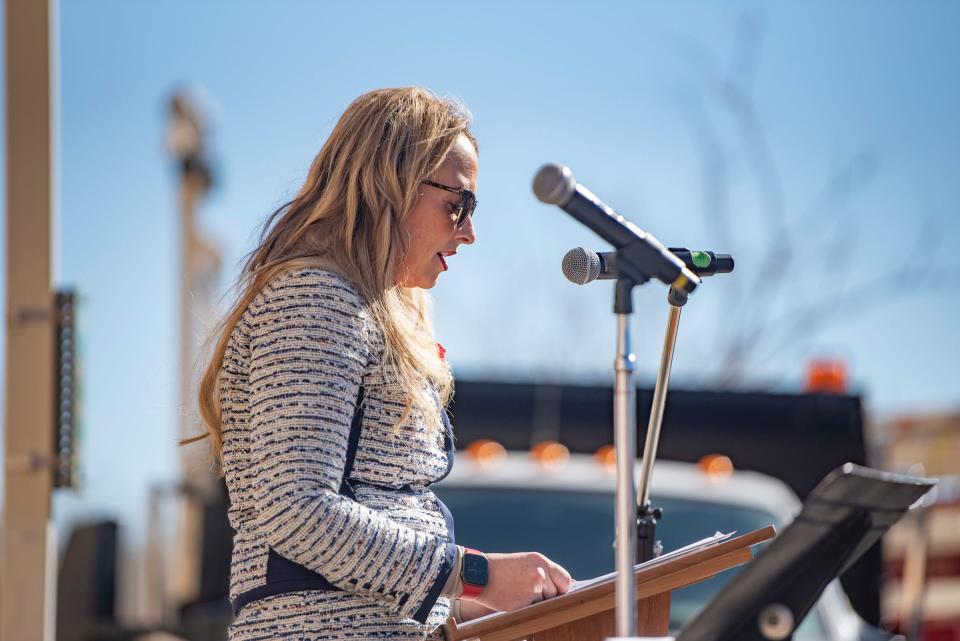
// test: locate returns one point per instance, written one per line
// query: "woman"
(325, 394)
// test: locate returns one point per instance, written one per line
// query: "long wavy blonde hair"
(349, 217)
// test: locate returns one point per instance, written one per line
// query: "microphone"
(704, 263)
(642, 255)
(581, 266)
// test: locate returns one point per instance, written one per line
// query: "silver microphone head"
(581, 266)
(554, 184)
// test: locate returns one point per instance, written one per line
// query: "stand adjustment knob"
(775, 622)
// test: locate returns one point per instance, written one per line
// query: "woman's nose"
(467, 234)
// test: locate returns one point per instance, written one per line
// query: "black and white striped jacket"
(298, 360)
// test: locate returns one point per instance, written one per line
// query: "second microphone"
(581, 265)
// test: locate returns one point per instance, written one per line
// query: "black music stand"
(847, 512)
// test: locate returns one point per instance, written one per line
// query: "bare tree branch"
(827, 226)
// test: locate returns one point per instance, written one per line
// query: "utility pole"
(27, 581)
(200, 261)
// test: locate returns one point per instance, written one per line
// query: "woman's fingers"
(560, 577)
(548, 590)
(522, 578)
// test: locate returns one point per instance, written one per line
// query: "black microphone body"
(704, 263)
(642, 256)
(582, 265)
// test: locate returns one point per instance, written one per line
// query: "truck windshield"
(575, 529)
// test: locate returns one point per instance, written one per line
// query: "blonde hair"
(349, 217)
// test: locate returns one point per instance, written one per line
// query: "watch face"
(474, 569)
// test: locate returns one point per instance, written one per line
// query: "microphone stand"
(625, 443)
(633, 510)
(647, 515)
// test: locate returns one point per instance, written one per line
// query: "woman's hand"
(470, 610)
(516, 580)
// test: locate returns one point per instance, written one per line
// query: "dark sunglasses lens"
(468, 203)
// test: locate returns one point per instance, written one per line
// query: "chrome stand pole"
(625, 441)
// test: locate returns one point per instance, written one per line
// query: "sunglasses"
(468, 202)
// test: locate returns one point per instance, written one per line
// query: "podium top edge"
(651, 570)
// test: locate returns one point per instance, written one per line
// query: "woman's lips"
(442, 261)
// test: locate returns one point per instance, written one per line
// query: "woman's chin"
(422, 282)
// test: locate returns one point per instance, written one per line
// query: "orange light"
(486, 452)
(827, 376)
(550, 454)
(717, 467)
(606, 456)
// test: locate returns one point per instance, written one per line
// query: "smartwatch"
(474, 573)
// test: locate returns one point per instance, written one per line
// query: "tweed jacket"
(319, 554)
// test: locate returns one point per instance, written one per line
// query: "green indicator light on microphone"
(701, 260)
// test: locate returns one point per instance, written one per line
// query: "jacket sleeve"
(308, 348)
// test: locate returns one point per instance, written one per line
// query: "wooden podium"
(587, 614)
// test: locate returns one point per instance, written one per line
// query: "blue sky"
(622, 92)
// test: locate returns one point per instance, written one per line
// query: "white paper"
(696, 545)
(579, 585)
